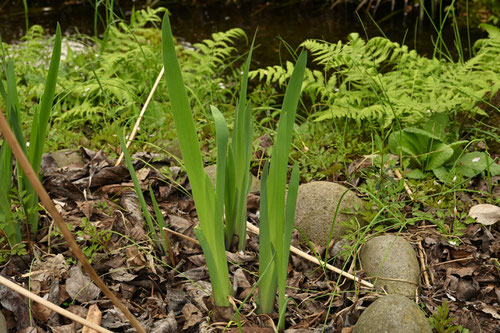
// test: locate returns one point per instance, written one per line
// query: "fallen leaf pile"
(97, 200)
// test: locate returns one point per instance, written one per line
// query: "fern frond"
(380, 80)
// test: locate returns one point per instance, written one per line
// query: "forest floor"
(169, 292)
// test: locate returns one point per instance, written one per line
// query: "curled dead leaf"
(485, 214)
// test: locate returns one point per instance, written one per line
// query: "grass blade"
(242, 148)
(282, 269)
(267, 287)
(275, 231)
(222, 138)
(39, 130)
(210, 231)
(137, 188)
(159, 219)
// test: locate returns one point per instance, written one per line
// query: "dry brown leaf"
(192, 315)
(94, 316)
(80, 286)
(485, 214)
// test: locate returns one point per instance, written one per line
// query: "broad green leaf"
(443, 174)
(415, 174)
(438, 154)
(472, 164)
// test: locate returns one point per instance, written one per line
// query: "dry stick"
(423, 265)
(138, 121)
(407, 188)
(304, 255)
(68, 236)
(169, 246)
(293, 249)
(11, 285)
(178, 234)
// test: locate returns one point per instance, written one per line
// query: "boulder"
(392, 314)
(394, 262)
(316, 205)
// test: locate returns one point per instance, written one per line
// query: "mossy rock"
(316, 205)
(392, 314)
(394, 262)
(211, 170)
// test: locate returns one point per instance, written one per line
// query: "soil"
(173, 296)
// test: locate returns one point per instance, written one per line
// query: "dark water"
(293, 23)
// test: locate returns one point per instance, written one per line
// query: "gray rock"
(3, 323)
(211, 170)
(394, 261)
(316, 205)
(68, 157)
(392, 314)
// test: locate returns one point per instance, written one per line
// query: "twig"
(51, 208)
(407, 188)
(11, 285)
(169, 246)
(304, 255)
(141, 114)
(423, 265)
(293, 249)
(452, 261)
(178, 234)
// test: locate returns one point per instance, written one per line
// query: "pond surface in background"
(293, 24)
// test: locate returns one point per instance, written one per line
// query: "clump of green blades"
(25, 191)
(228, 198)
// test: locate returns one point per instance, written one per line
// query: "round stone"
(392, 262)
(317, 202)
(392, 314)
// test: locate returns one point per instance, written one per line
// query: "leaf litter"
(173, 299)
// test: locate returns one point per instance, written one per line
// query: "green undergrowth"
(380, 82)
(102, 81)
(355, 95)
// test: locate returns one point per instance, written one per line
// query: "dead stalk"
(141, 114)
(52, 210)
(11, 285)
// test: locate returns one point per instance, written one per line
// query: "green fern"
(101, 80)
(380, 80)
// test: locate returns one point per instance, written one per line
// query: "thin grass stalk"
(210, 231)
(70, 315)
(138, 190)
(160, 222)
